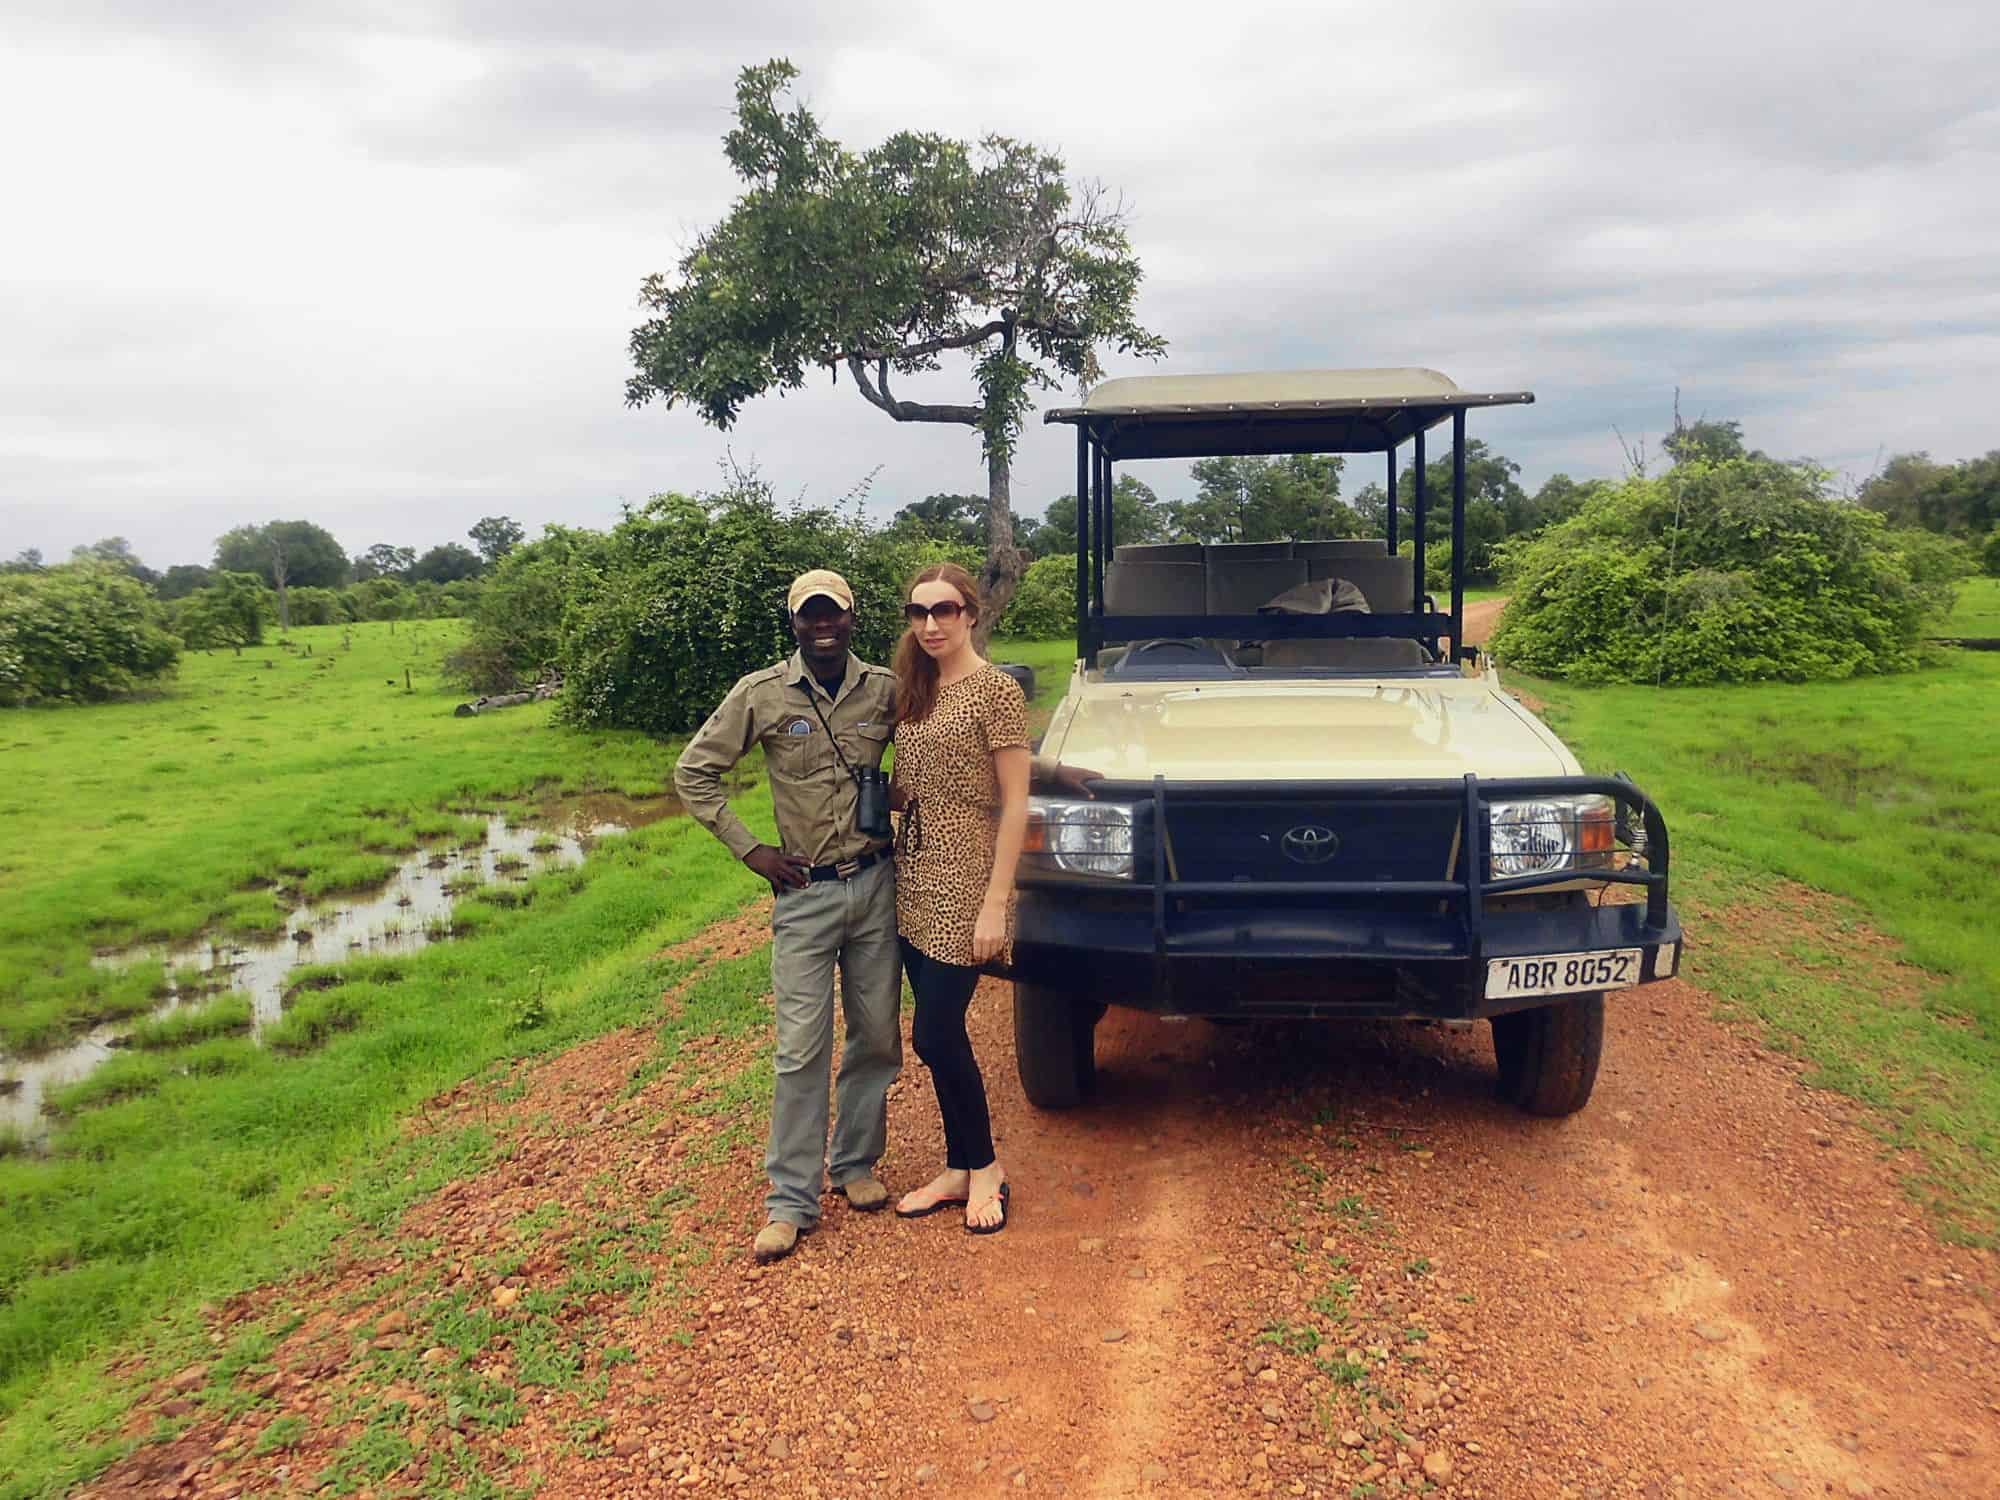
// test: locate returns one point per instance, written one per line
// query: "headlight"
(1080, 838)
(1556, 833)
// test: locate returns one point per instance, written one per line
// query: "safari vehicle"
(1318, 803)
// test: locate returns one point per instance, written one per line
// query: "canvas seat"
(1235, 552)
(1359, 654)
(1242, 586)
(1155, 588)
(1341, 547)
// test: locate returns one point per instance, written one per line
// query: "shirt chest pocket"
(864, 743)
(798, 754)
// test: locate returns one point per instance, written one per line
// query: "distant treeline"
(652, 619)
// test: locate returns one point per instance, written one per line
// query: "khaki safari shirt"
(811, 792)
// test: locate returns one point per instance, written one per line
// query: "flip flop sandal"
(928, 1210)
(1006, 1212)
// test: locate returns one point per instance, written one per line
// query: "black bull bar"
(1079, 931)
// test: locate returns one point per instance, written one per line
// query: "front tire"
(1055, 1046)
(1548, 1056)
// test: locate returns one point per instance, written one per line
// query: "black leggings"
(943, 992)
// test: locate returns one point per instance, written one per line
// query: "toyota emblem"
(1309, 844)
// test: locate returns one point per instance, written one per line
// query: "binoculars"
(871, 801)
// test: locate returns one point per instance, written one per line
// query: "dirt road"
(1274, 1260)
(1480, 618)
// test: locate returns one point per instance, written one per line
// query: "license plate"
(1562, 973)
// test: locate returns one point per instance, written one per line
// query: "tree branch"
(963, 339)
(905, 411)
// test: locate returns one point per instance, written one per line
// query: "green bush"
(232, 610)
(686, 595)
(1044, 607)
(79, 633)
(1732, 571)
(315, 607)
(1989, 555)
(516, 621)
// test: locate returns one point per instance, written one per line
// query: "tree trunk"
(1004, 563)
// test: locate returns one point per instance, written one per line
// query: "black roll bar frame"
(1094, 543)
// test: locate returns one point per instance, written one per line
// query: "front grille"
(1353, 839)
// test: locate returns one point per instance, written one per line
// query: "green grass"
(219, 1017)
(187, 1170)
(1052, 661)
(1977, 613)
(1884, 793)
(254, 778)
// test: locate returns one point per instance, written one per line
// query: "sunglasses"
(944, 611)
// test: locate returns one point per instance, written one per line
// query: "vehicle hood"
(1338, 731)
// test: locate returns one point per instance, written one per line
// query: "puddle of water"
(409, 912)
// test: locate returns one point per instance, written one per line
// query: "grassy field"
(1884, 794)
(201, 1165)
(1977, 613)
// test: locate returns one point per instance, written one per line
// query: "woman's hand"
(989, 931)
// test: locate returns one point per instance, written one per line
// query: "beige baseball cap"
(819, 581)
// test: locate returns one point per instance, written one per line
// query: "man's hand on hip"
(786, 872)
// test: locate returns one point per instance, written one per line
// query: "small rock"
(506, 1296)
(780, 1447)
(1789, 1483)
(437, 1354)
(1154, 1473)
(193, 1378)
(926, 1473)
(1273, 1412)
(981, 1411)
(1859, 1489)
(1234, 1380)
(628, 1445)
(1089, 1247)
(1350, 1439)
(1438, 1468)
(1137, 1273)
(1713, 1333)
(1267, 1376)
(394, 1321)
(1114, 1335)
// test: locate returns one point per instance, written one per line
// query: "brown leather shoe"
(865, 1194)
(775, 1241)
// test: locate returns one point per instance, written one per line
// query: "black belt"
(847, 869)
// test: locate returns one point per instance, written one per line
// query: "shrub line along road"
(1285, 1259)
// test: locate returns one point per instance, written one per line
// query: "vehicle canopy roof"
(1271, 411)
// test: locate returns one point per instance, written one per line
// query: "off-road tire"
(1548, 1056)
(1055, 1046)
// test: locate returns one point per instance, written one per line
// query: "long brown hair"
(916, 671)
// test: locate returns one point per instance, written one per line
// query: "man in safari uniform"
(818, 715)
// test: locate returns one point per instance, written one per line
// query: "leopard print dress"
(944, 849)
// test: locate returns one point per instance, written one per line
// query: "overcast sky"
(375, 264)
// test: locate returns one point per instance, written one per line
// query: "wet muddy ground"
(409, 911)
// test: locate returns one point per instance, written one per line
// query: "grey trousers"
(851, 923)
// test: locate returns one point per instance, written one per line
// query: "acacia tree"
(286, 555)
(883, 262)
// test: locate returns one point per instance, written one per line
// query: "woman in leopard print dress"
(961, 782)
